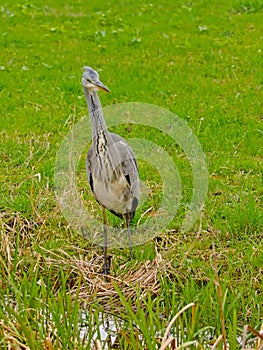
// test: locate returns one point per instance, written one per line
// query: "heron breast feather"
(114, 195)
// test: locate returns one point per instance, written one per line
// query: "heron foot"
(106, 266)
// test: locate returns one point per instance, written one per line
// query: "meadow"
(201, 61)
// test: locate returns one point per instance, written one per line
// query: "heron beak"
(101, 86)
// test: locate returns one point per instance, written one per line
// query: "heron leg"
(106, 267)
(128, 219)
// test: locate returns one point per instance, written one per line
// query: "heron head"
(91, 81)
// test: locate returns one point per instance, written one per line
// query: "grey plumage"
(111, 165)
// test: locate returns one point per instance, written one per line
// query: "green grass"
(202, 61)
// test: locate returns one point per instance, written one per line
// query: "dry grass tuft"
(142, 278)
(13, 227)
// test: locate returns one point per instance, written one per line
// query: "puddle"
(107, 329)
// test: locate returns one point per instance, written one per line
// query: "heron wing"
(122, 161)
(128, 163)
(128, 159)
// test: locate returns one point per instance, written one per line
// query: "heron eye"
(88, 80)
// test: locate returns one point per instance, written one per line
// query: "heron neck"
(96, 115)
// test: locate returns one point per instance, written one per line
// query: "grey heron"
(111, 166)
